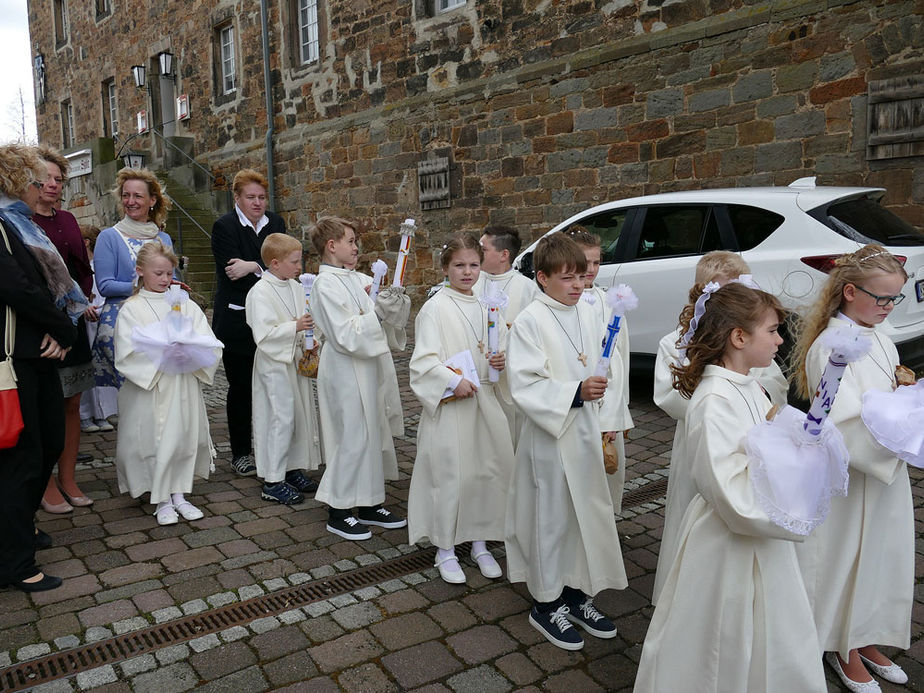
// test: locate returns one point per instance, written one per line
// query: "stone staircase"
(191, 235)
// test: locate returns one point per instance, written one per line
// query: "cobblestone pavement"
(123, 572)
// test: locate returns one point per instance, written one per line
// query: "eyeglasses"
(883, 301)
(37, 183)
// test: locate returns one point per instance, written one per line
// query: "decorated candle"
(379, 268)
(407, 233)
(307, 281)
(847, 344)
(620, 299)
(494, 300)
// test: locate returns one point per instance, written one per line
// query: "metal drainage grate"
(645, 494)
(122, 647)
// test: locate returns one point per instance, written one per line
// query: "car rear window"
(865, 220)
(752, 225)
(672, 230)
(608, 226)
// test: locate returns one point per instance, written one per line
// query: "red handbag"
(10, 414)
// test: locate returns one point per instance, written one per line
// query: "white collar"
(264, 220)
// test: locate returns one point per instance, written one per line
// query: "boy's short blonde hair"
(558, 253)
(720, 265)
(277, 246)
(328, 229)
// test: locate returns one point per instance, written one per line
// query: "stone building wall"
(542, 107)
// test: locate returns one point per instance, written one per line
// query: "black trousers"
(25, 468)
(239, 403)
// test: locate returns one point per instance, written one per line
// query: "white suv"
(788, 236)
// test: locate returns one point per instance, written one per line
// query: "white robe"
(680, 486)
(358, 400)
(285, 419)
(859, 566)
(163, 439)
(464, 453)
(561, 529)
(733, 615)
(520, 291)
(614, 409)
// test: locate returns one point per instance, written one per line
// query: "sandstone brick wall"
(544, 108)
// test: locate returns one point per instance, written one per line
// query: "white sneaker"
(104, 425)
(450, 570)
(88, 426)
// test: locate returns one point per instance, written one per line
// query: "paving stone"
(59, 686)
(250, 591)
(173, 653)
(357, 615)
(292, 616)
(129, 624)
(32, 651)
(403, 631)
(345, 651)
(134, 572)
(264, 625)
(279, 642)
(96, 677)
(107, 613)
(367, 593)
(71, 589)
(342, 600)
(127, 591)
(210, 537)
(570, 681)
(153, 600)
(234, 633)
(319, 684)
(518, 668)
(402, 601)
(155, 549)
(64, 643)
(319, 608)
(452, 616)
(366, 678)
(58, 627)
(167, 614)
(481, 643)
(96, 633)
(550, 658)
(176, 677)
(138, 665)
(221, 661)
(420, 664)
(193, 558)
(496, 603)
(483, 679)
(206, 642)
(194, 606)
(321, 629)
(294, 667)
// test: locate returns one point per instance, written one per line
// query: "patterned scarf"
(16, 217)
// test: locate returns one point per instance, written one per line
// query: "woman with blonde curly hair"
(45, 303)
(144, 207)
(859, 565)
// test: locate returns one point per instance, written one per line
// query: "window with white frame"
(308, 37)
(446, 5)
(226, 48)
(103, 8)
(67, 124)
(61, 23)
(110, 109)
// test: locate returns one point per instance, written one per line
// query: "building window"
(103, 8)
(67, 125)
(226, 59)
(110, 109)
(309, 40)
(446, 5)
(61, 23)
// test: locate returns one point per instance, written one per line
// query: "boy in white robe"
(285, 426)
(358, 400)
(501, 244)
(560, 536)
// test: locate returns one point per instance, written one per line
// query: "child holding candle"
(464, 452)
(720, 266)
(358, 400)
(859, 566)
(286, 441)
(614, 409)
(733, 614)
(164, 437)
(561, 536)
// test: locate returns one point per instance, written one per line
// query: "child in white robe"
(561, 536)
(163, 439)
(733, 614)
(615, 418)
(720, 266)
(464, 453)
(286, 441)
(501, 245)
(859, 566)
(358, 399)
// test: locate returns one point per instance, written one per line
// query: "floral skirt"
(103, 351)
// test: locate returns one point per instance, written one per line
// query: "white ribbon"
(698, 311)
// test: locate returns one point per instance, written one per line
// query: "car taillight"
(825, 263)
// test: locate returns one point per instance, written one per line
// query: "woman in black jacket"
(35, 283)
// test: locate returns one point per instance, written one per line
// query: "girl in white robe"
(163, 440)
(733, 614)
(561, 536)
(859, 566)
(464, 452)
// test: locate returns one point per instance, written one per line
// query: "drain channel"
(66, 663)
(122, 647)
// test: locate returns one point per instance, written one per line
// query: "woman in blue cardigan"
(145, 210)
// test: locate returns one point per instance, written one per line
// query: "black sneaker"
(556, 628)
(348, 528)
(587, 617)
(301, 483)
(244, 465)
(381, 517)
(281, 493)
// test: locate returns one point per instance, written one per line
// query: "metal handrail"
(178, 206)
(193, 161)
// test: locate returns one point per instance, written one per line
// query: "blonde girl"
(733, 614)
(464, 451)
(163, 439)
(859, 566)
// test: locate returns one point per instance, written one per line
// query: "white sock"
(478, 547)
(177, 499)
(446, 554)
(162, 505)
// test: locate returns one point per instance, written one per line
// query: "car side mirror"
(526, 266)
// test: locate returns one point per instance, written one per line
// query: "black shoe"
(348, 528)
(381, 517)
(42, 540)
(556, 628)
(301, 483)
(84, 457)
(244, 465)
(281, 493)
(48, 582)
(585, 615)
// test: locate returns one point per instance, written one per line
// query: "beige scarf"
(136, 229)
